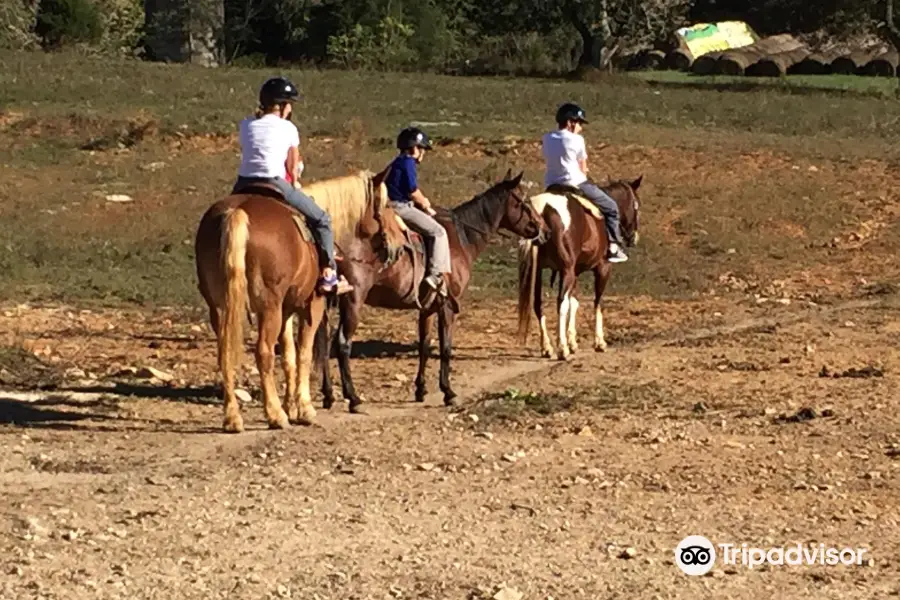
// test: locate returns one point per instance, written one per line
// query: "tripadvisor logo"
(696, 555)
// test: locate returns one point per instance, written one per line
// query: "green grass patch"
(19, 367)
(883, 87)
(514, 405)
(213, 100)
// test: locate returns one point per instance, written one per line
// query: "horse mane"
(345, 199)
(393, 233)
(618, 186)
(476, 210)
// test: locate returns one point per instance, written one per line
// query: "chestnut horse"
(578, 243)
(470, 227)
(250, 253)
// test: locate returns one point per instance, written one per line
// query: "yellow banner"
(702, 38)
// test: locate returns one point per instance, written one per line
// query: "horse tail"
(528, 269)
(235, 235)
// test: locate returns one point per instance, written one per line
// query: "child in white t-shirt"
(566, 158)
(269, 137)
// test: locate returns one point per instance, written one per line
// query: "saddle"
(270, 190)
(570, 191)
(415, 244)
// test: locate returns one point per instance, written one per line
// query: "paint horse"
(470, 227)
(578, 243)
(256, 257)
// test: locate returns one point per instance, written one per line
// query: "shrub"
(64, 22)
(17, 25)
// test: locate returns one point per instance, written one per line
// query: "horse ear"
(637, 182)
(517, 179)
(508, 175)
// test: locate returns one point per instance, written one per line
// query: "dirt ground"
(122, 487)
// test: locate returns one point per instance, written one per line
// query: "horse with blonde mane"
(578, 243)
(255, 257)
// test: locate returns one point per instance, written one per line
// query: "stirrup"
(338, 285)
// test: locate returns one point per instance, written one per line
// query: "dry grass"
(747, 183)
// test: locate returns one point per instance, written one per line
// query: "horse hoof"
(450, 400)
(599, 347)
(356, 408)
(547, 354)
(327, 403)
(280, 422)
(563, 356)
(235, 425)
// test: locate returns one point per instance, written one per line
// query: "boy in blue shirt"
(414, 208)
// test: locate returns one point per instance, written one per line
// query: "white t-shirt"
(562, 151)
(264, 145)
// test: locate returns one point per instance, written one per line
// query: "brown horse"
(251, 253)
(578, 243)
(469, 228)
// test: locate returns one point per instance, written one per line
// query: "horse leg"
(270, 326)
(425, 322)
(349, 320)
(323, 351)
(215, 317)
(289, 364)
(572, 333)
(446, 319)
(563, 303)
(546, 345)
(601, 276)
(312, 317)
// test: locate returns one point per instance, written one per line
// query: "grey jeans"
(608, 207)
(437, 245)
(318, 220)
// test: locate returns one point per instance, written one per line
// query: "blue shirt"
(402, 181)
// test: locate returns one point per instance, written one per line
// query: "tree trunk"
(594, 37)
(893, 30)
(591, 49)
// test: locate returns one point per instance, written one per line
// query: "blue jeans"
(608, 207)
(318, 220)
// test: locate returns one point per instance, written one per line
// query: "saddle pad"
(573, 192)
(589, 206)
(302, 227)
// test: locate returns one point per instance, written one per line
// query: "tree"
(890, 24)
(603, 25)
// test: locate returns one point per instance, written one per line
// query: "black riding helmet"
(570, 112)
(413, 137)
(277, 90)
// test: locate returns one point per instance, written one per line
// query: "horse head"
(519, 216)
(625, 193)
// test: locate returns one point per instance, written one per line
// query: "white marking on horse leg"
(546, 344)
(563, 352)
(599, 339)
(572, 327)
